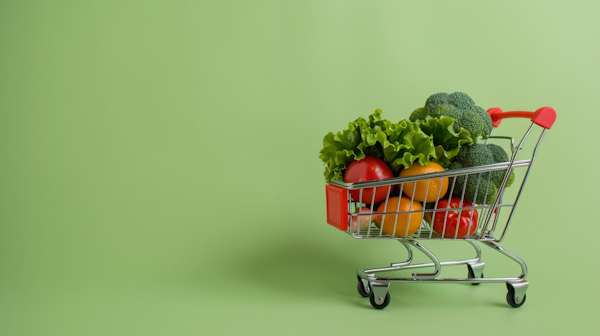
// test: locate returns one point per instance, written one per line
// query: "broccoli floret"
(461, 107)
(418, 114)
(480, 155)
(500, 155)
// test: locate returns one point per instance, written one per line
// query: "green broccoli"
(459, 106)
(480, 155)
(500, 155)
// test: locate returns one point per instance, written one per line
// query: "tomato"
(452, 218)
(368, 169)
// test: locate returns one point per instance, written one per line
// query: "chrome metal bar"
(473, 211)
(443, 263)
(373, 196)
(479, 239)
(350, 211)
(360, 200)
(522, 184)
(496, 217)
(477, 249)
(483, 222)
(395, 218)
(462, 197)
(507, 173)
(387, 199)
(400, 266)
(423, 177)
(408, 259)
(435, 207)
(453, 209)
(512, 141)
(494, 224)
(447, 206)
(511, 256)
(491, 280)
(491, 132)
(368, 274)
(436, 262)
(409, 207)
(424, 203)
(487, 189)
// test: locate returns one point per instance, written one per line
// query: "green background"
(159, 169)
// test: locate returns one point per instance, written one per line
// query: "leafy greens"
(398, 144)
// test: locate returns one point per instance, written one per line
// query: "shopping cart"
(347, 214)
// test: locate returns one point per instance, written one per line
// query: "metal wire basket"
(404, 217)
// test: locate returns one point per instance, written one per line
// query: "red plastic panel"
(544, 116)
(494, 113)
(337, 206)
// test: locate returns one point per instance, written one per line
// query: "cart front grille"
(400, 216)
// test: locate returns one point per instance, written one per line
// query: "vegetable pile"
(443, 134)
(397, 144)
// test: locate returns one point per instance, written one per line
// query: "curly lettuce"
(398, 144)
(446, 140)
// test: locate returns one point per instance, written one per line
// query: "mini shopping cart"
(345, 213)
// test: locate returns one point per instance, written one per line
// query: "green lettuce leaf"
(447, 141)
(398, 144)
(339, 150)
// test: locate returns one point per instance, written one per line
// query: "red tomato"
(368, 169)
(451, 221)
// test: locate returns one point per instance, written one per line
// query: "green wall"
(159, 170)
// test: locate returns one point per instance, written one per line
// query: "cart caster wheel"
(376, 305)
(361, 289)
(472, 275)
(512, 301)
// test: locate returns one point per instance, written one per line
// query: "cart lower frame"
(377, 287)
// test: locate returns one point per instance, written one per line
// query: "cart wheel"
(385, 303)
(510, 298)
(472, 275)
(361, 289)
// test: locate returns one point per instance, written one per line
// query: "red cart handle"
(544, 116)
